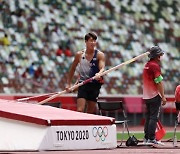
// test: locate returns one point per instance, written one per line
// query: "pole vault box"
(32, 127)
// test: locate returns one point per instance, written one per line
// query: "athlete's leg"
(81, 102)
(91, 105)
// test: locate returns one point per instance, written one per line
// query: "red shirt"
(59, 52)
(177, 94)
(151, 71)
(68, 53)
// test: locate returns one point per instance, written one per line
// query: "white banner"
(80, 137)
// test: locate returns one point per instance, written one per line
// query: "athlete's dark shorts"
(89, 91)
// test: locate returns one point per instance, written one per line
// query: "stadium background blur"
(38, 39)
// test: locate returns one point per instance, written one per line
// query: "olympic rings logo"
(100, 133)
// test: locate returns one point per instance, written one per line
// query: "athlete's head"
(90, 35)
(90, 40)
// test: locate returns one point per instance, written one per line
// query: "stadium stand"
(31, 31)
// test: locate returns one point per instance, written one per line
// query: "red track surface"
(167, 149)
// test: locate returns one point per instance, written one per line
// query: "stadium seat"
(125, 29)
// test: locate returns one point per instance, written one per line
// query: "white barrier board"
(80, 137)
(22, 136)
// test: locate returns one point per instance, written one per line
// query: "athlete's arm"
(101, 59)
(73, 68)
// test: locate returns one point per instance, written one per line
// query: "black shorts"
(89, 91)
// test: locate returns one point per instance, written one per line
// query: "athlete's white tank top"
(87, 69)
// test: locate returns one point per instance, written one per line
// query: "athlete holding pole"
(89, 62)
(99, 66)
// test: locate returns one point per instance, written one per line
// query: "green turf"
(140, 136)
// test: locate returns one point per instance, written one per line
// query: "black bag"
(132, 141)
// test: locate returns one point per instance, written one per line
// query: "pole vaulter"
(56, 94)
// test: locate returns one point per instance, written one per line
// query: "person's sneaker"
(154, 142)
(160, 143)
(145, 141)
(151, 142)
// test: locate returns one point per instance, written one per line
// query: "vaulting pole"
(95, 77)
